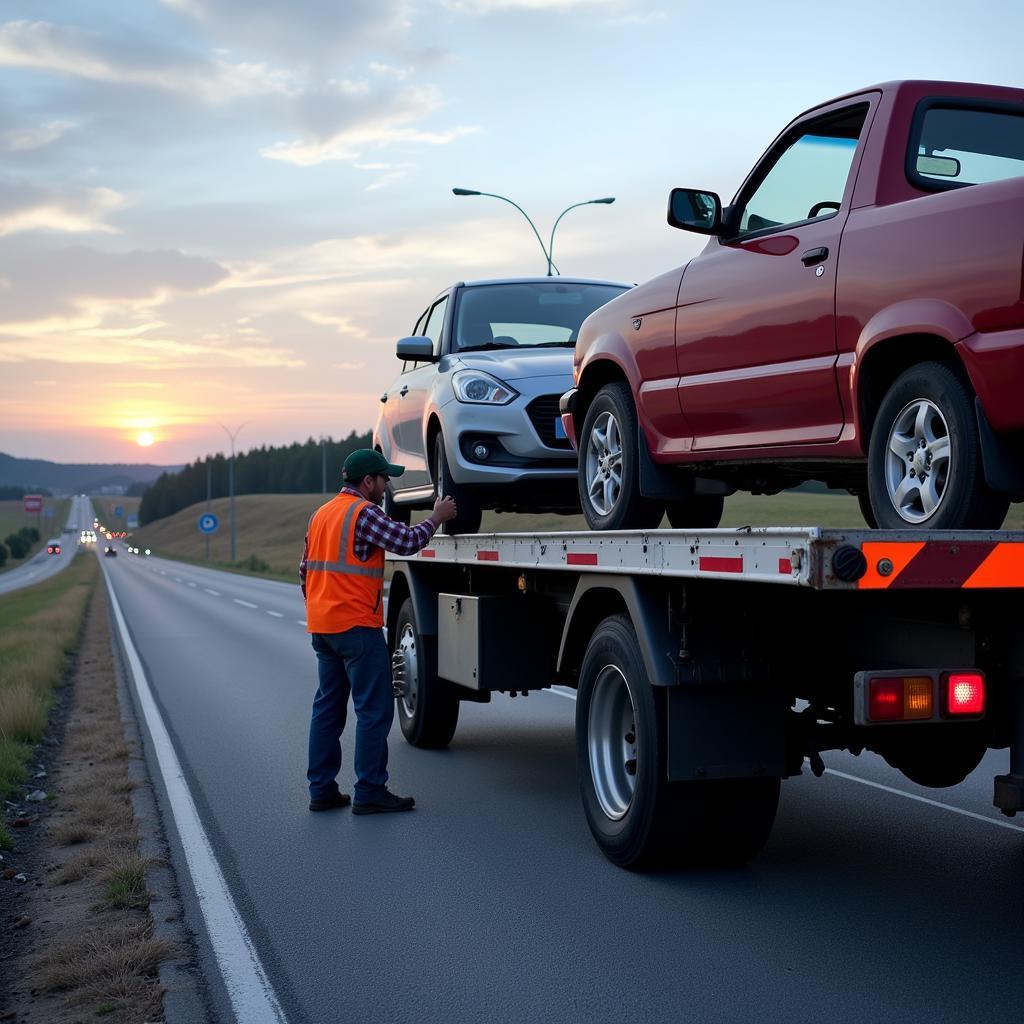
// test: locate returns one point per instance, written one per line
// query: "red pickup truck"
(857, 317)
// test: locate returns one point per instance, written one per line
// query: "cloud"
(25, 139)
(301, 30)
(30, 208)
(342, 324)
(495, 6)
(136, 61)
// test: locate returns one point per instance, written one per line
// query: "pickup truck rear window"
(953, 144)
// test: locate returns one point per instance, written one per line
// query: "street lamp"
(607, 201)
(231, 481)
(547, 251)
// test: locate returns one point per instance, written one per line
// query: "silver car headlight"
(478, 388)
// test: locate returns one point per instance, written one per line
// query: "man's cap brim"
(394, 470)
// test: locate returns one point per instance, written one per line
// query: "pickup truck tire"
(638, 818)
(924, 461)
(699, 512)
(469, 515)
(400, 513)
(428, 711)
(609, 465)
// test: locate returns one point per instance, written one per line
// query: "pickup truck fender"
(920, 317)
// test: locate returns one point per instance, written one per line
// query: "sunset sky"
(227, 211)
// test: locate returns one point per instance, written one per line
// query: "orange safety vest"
(341, 591)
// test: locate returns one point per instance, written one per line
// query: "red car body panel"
(769, 357)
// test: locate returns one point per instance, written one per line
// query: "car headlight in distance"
(478, 388)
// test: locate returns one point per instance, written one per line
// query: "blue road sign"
(47, 512)
(118, 511)
(208, 523)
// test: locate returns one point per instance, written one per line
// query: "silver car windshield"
(526, 314)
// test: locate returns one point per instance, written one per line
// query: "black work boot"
(331, 803)
(385, 803)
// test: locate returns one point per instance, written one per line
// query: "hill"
(76, 478)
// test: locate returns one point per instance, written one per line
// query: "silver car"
(474, 412)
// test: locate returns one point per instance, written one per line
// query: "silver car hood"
(513, 365)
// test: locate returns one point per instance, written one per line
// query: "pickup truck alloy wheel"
(428, 709)
(924, 460)
(609, 473)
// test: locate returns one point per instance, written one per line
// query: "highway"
(490, 901)
(42, 566)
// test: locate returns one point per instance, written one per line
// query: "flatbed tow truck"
(710, 665)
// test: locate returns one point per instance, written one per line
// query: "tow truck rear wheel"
(428, 711)
(638, 818)
(699, 512)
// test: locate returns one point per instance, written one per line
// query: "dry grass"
(13, 518)
(124, 881)
(39, 628)
(73, 832)
(76, 867)
(112, 965)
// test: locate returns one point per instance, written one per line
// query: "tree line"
(295, 469)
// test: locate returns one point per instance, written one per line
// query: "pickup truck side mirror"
(416, 350)
(694, 210)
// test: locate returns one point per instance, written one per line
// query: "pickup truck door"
(755, 324)
(416, 386)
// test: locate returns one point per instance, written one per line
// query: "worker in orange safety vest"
(342, 575)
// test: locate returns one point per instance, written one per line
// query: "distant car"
(53, 546)
(474, 412)
(109, 552)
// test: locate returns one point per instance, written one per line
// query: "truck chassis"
(711, 665)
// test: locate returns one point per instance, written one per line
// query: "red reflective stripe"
(785, 567)
(487, 556)
(709, 563)
(428, 553)
(581, 558)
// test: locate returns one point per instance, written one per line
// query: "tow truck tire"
(608, 475)
(937, 761)
(428, 711)
(925, 468)
(638, 818)
(699, 512)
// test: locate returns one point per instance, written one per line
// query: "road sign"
(48, 512)
(133, 522)
(33, 502)
(208, 523)
(118, 511)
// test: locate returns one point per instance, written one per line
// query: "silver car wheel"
(611, 738)
(918, 466)
(405, 671)
(604, 464)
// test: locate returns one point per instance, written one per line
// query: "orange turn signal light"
(900, 698)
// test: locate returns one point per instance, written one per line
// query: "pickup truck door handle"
(403, 391)
(813, 256)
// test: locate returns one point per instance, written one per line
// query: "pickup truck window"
(807, 177)
(957, 144)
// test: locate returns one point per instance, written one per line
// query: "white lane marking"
(301, 622)
(191, 584)
(878, 785)
(925, 800)
(244, 604)
(215, 593)
(162, 572)
(252, 997)
(177, 579)
(277, 615)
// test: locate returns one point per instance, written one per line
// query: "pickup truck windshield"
(526, 314)
(963, 146)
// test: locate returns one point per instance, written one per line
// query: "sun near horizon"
(145, 438)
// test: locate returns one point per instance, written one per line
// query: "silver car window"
(435, 323)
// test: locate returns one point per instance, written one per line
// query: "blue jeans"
(355, 662)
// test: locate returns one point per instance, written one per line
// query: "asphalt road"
(491, 903)
(42, 566)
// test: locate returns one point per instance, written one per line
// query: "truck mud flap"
(725, 732)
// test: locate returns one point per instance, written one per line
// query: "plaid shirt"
(376, 530)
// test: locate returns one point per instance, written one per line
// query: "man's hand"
(444, 510)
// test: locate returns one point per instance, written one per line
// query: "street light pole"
(607, 201)
(547, 252)
(231, 482)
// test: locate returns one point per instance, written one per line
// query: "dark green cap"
(365, 462)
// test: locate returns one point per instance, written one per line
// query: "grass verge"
(39, 629)
(13, 518)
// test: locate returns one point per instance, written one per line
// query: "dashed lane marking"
(301, 622)
(277, 615)
(215, 593)
(244, 604)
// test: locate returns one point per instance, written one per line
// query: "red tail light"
(885, 700)
(965, 693)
